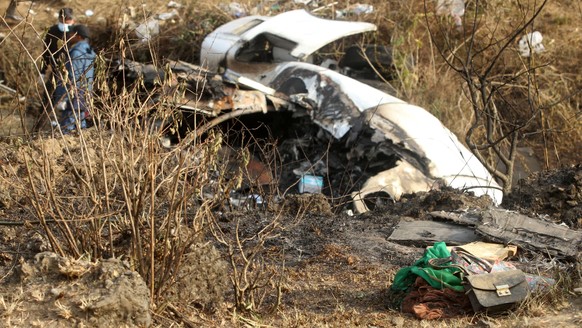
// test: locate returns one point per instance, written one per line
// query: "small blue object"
(310, 184)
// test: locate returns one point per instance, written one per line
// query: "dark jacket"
(54, 49)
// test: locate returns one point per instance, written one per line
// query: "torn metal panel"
(323, 93)
(308, 32)
(402, 179)
(426, 233)
(338, 99)
(216, 44)
(508, 227)
(532, 234)
(237, 99)
(436, 149)
(290, 36)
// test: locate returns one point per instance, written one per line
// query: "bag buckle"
(503, 290)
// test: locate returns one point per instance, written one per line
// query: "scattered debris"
(446, 283)
(235, 9)
(415, 232)
(167, 16)
(355, 9)
(490, 251)
(454, 8)
(174, 4)
(148, 29)
(279, 61)
(507, 227)
(310, 184)
(531, 42)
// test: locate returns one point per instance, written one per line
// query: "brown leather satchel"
(497, 291)
(488, 291)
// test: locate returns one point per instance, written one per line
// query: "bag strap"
(472, 259)
(447, 262)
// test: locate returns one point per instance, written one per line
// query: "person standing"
(75, 88)
(54, 50)
(53, 59)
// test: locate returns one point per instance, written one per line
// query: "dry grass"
(423, 77)
(119, 183)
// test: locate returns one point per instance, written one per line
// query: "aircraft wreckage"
(330, 124)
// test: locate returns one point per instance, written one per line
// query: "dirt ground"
(338, 268)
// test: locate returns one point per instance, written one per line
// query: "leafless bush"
(504, 105)
(256, 273)
(114, 191)
(254, 278)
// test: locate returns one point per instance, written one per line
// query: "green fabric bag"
(437, 278)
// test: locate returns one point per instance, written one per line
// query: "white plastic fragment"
(167, 16)
(355, 9)
(131, 10)
(531, 42)
(246, 201)
(147, 30)
(89, 13)
(174, 4)
(455, 8)
(236, 9)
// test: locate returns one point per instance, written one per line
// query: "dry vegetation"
(111, 191)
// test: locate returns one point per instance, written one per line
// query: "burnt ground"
(337, 268)
(555, 194)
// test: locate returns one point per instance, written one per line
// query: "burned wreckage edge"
(429, 155)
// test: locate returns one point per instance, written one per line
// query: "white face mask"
(64, 27)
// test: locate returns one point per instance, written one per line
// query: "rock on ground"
(61, 292)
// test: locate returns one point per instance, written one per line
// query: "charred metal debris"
(335, 132)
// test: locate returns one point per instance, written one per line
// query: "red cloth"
(426, 302)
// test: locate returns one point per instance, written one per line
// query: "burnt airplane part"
(373, 141)
(428, 154)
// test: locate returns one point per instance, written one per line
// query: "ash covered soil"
(338, 268)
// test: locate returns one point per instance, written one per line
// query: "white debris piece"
(531, 42)
(310, 184)
(174, 4)
(167, 16)
(147, 30)
(355, 9)
(236, 9)
(455, 8)
(89, 13)
(302, 2)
